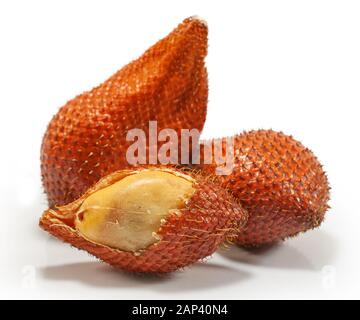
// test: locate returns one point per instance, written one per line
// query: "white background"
(288, 65)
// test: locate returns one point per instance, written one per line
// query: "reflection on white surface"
(201, 276)
(312, 252)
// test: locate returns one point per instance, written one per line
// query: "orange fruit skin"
(279, 182)
(86, 139)
(210, 217)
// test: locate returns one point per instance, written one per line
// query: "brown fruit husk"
(278, 181)
(86, 139)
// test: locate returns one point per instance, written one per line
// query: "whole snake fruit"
(86, 139)
(278, 181)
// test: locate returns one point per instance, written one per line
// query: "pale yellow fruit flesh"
(127, 214)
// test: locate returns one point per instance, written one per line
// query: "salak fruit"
(278, 181)
(86, 139)
(149, 219)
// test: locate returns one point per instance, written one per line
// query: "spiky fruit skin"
(210, 217)
(279, 182)
(86, 139)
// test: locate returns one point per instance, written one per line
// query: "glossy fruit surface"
(86, 139)
(279, 182)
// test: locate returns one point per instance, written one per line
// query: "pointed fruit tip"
(198, 19)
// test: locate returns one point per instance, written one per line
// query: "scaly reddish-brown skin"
(279, 182)
(86, 139)
(209, 217)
